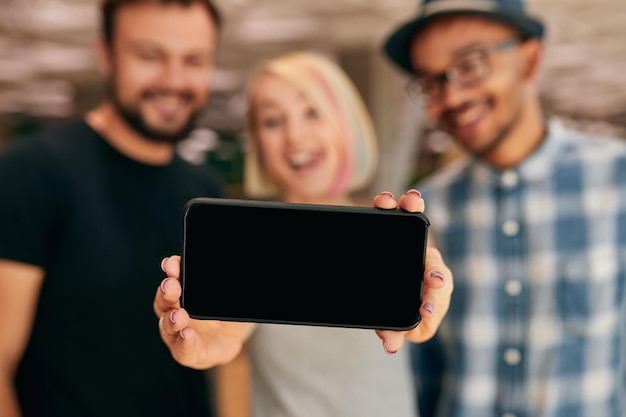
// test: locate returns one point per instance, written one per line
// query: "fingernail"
(172, 316)
(162, 286)
(429, 307)
(389, 352)
(181, 334)
(387, 193)
(437, 274)
(163, 263)
(414, 191)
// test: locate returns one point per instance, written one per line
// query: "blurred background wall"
(48, 72)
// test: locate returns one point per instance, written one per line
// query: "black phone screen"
(287, 263)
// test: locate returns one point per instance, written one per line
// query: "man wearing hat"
(532, 222)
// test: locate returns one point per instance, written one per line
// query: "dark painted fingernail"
(414, 191)
(163, 263)
(437, 274)
(172, 320)
(429, 307)
(389, 352)
(387, 193)
(162, 286)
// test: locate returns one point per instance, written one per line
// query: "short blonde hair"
(337, 101)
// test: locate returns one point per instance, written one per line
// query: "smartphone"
(271, 262)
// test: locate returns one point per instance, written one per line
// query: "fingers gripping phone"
(260, 261)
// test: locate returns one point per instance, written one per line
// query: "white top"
(311, 371)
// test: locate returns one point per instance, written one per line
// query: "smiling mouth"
(304, 160)
(169, 104)
(467, 116)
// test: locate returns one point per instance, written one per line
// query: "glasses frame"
(450, 75)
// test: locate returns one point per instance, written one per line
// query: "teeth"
(171, 102)
(470, 115)
(300, 158)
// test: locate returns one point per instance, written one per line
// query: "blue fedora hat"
(509, 12)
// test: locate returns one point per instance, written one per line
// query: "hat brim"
(398, 45)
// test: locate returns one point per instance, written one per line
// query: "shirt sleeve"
(29, 202)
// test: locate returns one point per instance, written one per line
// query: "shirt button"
(512, 356)
(513, 287)
(510, 228)
(509, 179)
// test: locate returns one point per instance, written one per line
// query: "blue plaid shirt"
(537, 323)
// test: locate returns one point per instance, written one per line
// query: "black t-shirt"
(99, 224)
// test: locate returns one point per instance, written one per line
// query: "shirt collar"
(534, 168)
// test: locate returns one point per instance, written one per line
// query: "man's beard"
(135, 120)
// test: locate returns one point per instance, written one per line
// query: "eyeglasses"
(464, 71)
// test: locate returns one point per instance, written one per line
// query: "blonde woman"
(311, 140)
